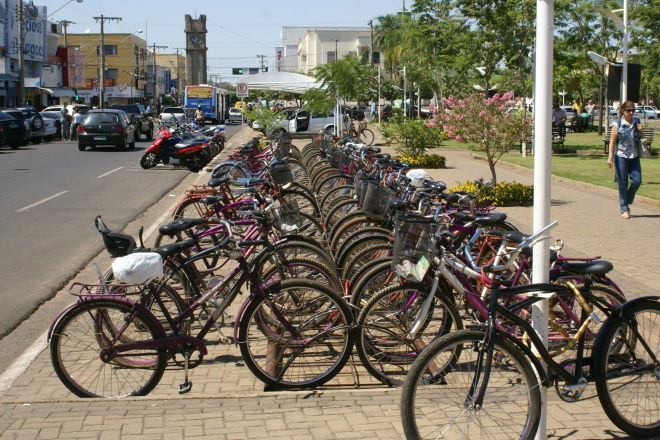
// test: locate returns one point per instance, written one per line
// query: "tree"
(488, 125)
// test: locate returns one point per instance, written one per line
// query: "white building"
(304, 48)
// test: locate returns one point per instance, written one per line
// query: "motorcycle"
(193, 152)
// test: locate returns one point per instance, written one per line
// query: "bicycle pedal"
(185, 387)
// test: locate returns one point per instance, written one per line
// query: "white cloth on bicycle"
(417, 177)
(138, 268)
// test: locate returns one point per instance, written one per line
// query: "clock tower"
(196, 49)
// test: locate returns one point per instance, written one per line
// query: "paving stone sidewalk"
(227, 402)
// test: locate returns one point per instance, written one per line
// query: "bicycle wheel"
(340, 210)
(436, 401)
(370, 279)
(367, 136)
(334, 193)
(630, 391)
(300, 268)
(82, 356)
(365, 256)
(388, 343)
(330, 182)
(231, 170)
(311, 358)
(306, 203)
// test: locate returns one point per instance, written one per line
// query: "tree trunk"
(491, 164)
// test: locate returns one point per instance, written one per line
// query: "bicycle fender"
(612, 320)
(540, 370)
(94, 298)
(249, 299)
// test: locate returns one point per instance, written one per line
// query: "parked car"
(646, 112)
(50, 130)
(14, 130)
(82, 108)
(144, 124)
(304, 122)
(171, 115)
(235, 115)
(106, 127)
(283, 124)
(570, 115)
(386, 112)
(36, 122)
(18, 114)
(354, 113)
(58, 121)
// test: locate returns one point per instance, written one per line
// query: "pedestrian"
(559, 118)
(626, 141)
(591, 111)
(373, 111)
(77, 119)
(65, 124)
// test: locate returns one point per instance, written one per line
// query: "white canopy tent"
(280, 81)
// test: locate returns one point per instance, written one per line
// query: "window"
(332, 56)
(112, 73)
(109, 49)
(352, 53)
(99, 118)
(303, 57)
(375, 59)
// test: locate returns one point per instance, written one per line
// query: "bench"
(648, 138)
(558, 137)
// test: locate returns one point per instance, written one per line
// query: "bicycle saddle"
(590, 268)
(212, 200)
(172, 249)
(180, 225)
(218, 181)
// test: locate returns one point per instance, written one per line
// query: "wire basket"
(333, 157)
(286, 216)
(281, 173)
(282, 150)
(414, 247)
(344, 161)
(362, 182)
(377, 201)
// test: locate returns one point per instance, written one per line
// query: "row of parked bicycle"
(346, 251)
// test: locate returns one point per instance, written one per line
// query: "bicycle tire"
(338, 211)
(313, 358)
(330, 182)
(631, 401)
(337, 191)
(306, 203)
(384, 344)
(365, 256)
(297, 246)
(434, 402)
(366, 136)
(349, 226)
(371, 279)
(85, 373)
(301, 268)
(376, 232)
(231, 170)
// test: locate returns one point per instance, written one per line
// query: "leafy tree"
(413, 136)
(488, 125)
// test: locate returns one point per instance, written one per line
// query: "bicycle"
(361, 133)
(291, 333)
(484, 379)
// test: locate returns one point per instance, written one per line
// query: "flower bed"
(502, 194)
(424, 160)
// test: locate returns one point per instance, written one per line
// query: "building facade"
(196, 66)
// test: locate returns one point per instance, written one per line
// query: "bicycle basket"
(333, 157)
(117, 244)
(344, 161)
(362, 184)
(286, 217)
(377, 201)
(414, 247)
(281, 173)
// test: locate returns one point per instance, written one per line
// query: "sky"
(238, 31)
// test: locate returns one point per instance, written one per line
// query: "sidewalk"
(227, 402)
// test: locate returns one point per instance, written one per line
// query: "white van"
(305, 122)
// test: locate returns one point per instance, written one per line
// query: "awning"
(59, 92)
(280, 81)
(7, 77)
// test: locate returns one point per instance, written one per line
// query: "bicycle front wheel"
(630, 391)
(436, 401)
(81, 351)
(308, 358)
(367, 136)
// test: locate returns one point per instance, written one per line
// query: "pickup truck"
(172, 115)
(144, 124)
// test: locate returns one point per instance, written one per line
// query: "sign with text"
(242, 90)
(200, 92)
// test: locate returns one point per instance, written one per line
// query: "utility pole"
(154, 47)
(262, 61)
(102, 19)
(371, 53)
(64, 24)
(178, 84)
(21, 61)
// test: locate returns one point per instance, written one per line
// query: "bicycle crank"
(571, 393)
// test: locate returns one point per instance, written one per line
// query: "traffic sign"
(242, 90)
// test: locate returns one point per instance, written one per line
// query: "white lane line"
(21, 364)
(109, 172)
(41, 201)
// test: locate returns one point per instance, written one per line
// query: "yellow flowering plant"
(501, 194)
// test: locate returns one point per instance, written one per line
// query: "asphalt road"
(51, 194)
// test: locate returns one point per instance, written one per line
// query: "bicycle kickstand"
(187, 385)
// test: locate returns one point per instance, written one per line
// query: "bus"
(214, 102)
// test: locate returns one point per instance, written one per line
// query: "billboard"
(196, 92)
(279, 53)
(34, 33)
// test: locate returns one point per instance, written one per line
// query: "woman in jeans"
(625, 141)
(77, 119)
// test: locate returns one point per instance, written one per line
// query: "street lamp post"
(601, 61)
(102, 19)
(621, 25)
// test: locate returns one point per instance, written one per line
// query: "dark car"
(27, 132)
(13, 130)
(143, 122)
(386, 112)
(354, 112)
(106, 127)
(36, 123)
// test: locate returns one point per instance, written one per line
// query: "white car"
(304, 122)
(647, 112)
(235, 115)
(50, 129)
(172, 115)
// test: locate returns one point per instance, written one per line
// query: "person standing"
(77, 119)
(591, 111)
(625, 141)
(66, 124)
(373, 111)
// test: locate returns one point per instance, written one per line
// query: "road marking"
(109, 172)
(41, 201)
(22, 363)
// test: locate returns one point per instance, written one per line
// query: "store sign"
(34, 33)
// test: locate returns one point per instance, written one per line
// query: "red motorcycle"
(170, 148)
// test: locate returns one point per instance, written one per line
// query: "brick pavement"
(227, 402)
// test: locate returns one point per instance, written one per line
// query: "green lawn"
(593, 169)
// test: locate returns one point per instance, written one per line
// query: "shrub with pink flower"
(487, 125)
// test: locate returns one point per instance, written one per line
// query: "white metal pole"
(242, 123)
(542, 158)
(379, 94)
(624, 73)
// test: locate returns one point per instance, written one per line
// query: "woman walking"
(625, 146)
